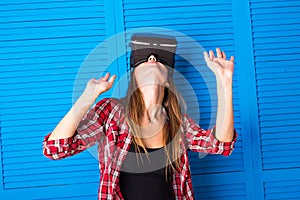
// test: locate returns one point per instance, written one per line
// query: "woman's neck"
(152, 95)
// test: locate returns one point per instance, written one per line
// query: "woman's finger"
(206, 57)
(112, 79)
(224, 55)
(211, 55)
(219, 54)
(105, 78)
(232, 58)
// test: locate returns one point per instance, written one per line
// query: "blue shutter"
(276, 39)
(43, 44)
(210, 24)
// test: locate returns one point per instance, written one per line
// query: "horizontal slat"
(294, 108)
(283, 189)
(60, 107)
(16, 4)
(280, 128)
(18, 130)
(176, 4)
(275, 4)
(280, 77)
(39, 71)
(53, 34)
(56, 166)
(274, 58)
(54, 59)
(273, 64)
(267, 88)
(224, 191)
(260, 1)
(51, 11)
(282, 159)
(275, 99)
(277, 39)
(278, 147)
(28, 103)
(279, 165)
(282, 183)
(289, 32)
(45, 80)
(58, 23)
(53, 42)
(130, 24)
(69, 13)
(40, 68)
(212, 2)
(173, 13)
(74, 181)
(39, 177)
(282, 9)
(281, 175)
(279, 135)
(290, 92)
(280, 153)
(275, 19)
(47, 51)
(286, 122)
(286, 140)
(273, 47)
(283, 28)
(260, 21)
(78, 162)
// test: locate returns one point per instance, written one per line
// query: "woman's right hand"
(96, 87)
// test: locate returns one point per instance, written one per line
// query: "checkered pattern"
(105, 124)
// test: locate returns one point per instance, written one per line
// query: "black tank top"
(144, 178)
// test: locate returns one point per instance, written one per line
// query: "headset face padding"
(143, 45)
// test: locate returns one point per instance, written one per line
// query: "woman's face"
(151, 74)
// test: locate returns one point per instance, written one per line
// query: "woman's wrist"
(86, 99)
(225, 82)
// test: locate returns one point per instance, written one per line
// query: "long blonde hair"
(173, 103)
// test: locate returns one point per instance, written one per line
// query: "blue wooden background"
(44, 67)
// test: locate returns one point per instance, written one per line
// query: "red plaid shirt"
(105, 124)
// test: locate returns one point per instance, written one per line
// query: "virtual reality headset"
(143, 45)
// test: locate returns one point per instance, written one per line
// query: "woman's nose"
(152, 59)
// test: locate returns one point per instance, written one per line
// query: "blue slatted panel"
(213, 187)
(278, 80)
(43, 45)
(282, 190)
(276, 38)
(212, 28)
(229, 191)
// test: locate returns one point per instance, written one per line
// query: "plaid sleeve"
(204, 141)
(87, 134)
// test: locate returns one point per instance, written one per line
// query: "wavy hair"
(173, 103)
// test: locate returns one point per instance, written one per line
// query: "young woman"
(131, 131)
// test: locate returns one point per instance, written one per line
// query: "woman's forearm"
(69, 123)
(225, 119)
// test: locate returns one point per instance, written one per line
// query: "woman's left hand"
(222, 68)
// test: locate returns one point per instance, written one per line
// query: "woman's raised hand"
(96, 87)
(222, 68)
